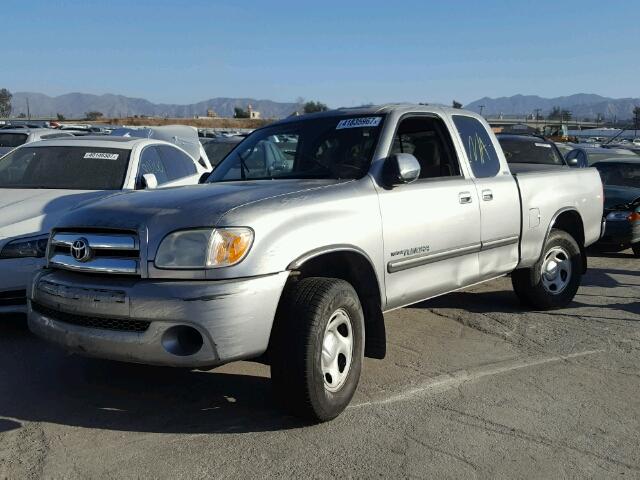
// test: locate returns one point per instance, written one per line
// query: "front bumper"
(234, 317)
(14, 277)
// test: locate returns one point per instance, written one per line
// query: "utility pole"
(537, 110)
(28, 111)
(481, 108)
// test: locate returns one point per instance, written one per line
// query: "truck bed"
(579, 189)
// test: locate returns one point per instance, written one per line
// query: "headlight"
(26, 247)
(618, 216)
(204, 248)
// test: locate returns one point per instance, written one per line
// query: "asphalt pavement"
(473, 386)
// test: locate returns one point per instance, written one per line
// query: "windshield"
(326, 147)
(620, 174)
(12, 140)
(528, 151)
(72, 168)
(216, 151)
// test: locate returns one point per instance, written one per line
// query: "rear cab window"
(482, 155)
(530, 150)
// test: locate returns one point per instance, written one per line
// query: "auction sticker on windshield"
(359, 122)
(101, 156)
(545, 145)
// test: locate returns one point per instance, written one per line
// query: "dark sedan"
(621, 180)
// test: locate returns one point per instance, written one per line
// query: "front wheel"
(636, 249)
(554, 280)
(318, 347)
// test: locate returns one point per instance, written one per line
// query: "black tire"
(636, 249)
(528, 282)
(297, 345)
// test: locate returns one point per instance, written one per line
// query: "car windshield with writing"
(331, 147)
(70, 168)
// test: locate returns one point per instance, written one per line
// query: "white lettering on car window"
(101, 156)
(359, 122)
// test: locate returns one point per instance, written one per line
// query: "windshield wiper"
(243, 167)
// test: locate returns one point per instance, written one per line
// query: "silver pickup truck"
(302, 237)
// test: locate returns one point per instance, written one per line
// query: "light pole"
(481, 108)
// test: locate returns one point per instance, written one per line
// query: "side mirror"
(576, 159)
(203, 177)
(572, 162)
(149, 181)
(400, 168)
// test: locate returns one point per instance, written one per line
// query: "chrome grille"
(95, 252)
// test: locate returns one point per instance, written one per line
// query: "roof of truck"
(380, 109)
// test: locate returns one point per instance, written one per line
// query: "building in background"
(253, 114)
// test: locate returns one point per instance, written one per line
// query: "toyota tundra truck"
(300, 240)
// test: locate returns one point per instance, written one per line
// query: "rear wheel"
(554, 280)
(318, 347)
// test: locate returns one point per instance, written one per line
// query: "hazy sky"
(341, 52)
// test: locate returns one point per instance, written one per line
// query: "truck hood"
(171, 209)
(615, 196)
(28, 212)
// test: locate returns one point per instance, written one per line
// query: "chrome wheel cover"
(556, 270)
(337, 350)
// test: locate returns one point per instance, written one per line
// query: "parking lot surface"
(472, 387)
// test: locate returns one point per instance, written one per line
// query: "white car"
(41, 181)
(11, 138)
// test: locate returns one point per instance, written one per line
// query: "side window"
(176, 163)
(150, 163)
(482, 155)
(427, 139)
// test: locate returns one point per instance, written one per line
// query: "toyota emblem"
(80, 250)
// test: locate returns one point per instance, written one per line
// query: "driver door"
(431, 226)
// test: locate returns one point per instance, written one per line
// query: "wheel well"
(570, 221)
(356, 269)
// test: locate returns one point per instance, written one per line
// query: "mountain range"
(75, 105)
(581, 106)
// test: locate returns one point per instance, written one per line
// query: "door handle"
(465, 197)
(487, 195)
